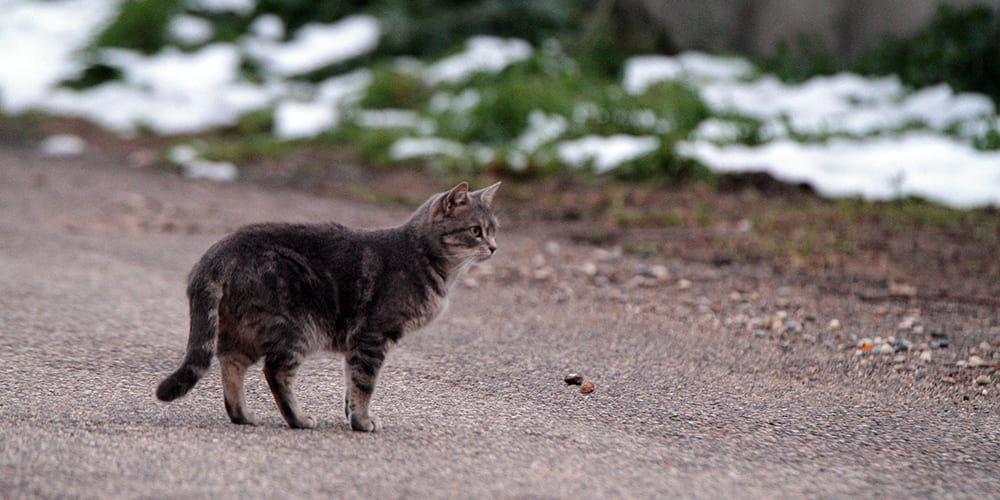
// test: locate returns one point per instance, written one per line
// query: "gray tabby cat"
(283, 291)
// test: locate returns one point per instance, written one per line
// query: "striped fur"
(280, 292)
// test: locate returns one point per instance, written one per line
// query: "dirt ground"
(744, 340)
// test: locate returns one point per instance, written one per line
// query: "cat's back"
(304, 244)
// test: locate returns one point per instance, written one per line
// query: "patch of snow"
(392, 118)
(194, 167)
(585, 111)
(605, 153)
(190, 30)
(407, 65)
(174, 72)
(717, 130)
(923, 164)
(845, 103)
(939, 107)
(348, 88)
(483, 155)
(422, 147)
(300, 120)
(267, 27)
(37, 45)
(62, 146)
(218, 171)
(316, 46)
(542, 128)
(182, 154)
(642, 72)
(446, 102)
(482, 54)
(170, 92)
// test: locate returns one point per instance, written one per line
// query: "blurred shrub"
(609, 31)
(432, 27)
(393, 89)
(297, 13)
(140, 25)
(959, 46)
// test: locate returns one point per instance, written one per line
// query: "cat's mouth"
(485, 253)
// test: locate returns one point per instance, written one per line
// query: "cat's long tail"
(204, 300)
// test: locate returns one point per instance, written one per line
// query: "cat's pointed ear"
(486, 194)
(459, 195)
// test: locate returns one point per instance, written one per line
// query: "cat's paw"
(243, 420)
(369, 424)
(302, 423)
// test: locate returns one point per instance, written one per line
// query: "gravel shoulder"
(712, 379)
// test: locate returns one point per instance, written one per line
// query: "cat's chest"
(430, 311)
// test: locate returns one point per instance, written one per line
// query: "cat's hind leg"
(234, 369)
(361, 366)
(279, 371)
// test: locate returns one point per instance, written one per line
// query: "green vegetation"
(141, 25)
(570, 84)
(959, 46)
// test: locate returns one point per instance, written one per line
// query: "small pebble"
(983, 380)
(925, 356)
(538, 260)
(976, 361)
(940, 344)
(834, 324)
(683, 284)
(885, 348)
(543, 273)
(573, 379)
(587, 387)
(656, 272)
(552, 248)
(907, 323)
(985, 346)
(902, 345)
(866, 344)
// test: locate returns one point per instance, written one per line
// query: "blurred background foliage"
(959, 45)
(582, 45)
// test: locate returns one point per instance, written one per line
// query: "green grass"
(140, 25)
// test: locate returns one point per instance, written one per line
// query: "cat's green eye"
(476, 231)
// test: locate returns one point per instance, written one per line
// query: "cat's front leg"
(361, 366)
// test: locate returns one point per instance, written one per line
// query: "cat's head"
(461, 223)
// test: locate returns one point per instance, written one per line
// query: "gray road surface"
(697, 395)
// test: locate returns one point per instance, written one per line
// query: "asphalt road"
(693, 398)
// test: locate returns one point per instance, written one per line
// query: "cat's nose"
(493, 249)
